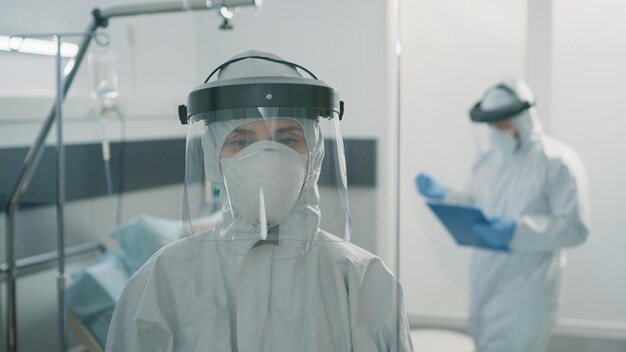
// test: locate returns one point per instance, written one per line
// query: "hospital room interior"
(472, 146)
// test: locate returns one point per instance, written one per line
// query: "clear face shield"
(493, 118)
(262, 167)
(481, 133)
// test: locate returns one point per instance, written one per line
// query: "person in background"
(534, 190)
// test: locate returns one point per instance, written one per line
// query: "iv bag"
(103, 75)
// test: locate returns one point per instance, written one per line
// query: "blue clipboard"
(458, 220)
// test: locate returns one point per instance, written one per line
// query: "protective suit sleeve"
(378, 318)
(456, 196)
(138, 322)
(567, 223)
(465, 196)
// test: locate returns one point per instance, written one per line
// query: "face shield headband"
(226, 99)
(477, 114)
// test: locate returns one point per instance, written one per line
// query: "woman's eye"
(287, 141)
(240, 144)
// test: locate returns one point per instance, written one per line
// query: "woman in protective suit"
(267, 278)
(534, 189)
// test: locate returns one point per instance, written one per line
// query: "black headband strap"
(291, 64)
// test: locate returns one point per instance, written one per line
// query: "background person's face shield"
(481, 132)
(502, 135)
(267, 163)
(493, 115)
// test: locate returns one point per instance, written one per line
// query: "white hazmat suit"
(540, 183)
(312, 292)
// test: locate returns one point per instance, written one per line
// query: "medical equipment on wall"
(64, 79)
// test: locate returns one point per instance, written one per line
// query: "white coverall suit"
(543, 186)
(315, 292)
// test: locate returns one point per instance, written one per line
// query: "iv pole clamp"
(100, 18)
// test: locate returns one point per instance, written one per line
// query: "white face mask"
(273, 168)
(504, 141)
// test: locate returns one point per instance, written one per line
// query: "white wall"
(572, 54)
(452, 51)
(589, 114)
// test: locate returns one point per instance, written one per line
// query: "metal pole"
(172, 6)
(36, 263)
(60, 198)
(11, 335)
(398, 57)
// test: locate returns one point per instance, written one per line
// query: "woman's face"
(284, 131)
(504, 125)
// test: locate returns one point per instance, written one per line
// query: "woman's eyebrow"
(241, 130)
(288, 129)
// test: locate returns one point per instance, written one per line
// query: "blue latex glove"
(428, 187)
(497, 233)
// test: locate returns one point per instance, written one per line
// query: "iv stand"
(100, 19)
(56, 115)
